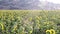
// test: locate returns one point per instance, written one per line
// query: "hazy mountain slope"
(27, 4)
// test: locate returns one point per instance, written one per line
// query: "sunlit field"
(29, 22)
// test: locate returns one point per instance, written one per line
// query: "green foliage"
(29, 21)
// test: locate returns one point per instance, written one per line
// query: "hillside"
(28, 5)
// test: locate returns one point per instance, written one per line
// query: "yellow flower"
(18, 18)
(47, 22)
(15, 27)
(30, 31)
(38, 17)
(49, 31)
(53, 31)
(30, 18)
(2, 26)
(23, 28)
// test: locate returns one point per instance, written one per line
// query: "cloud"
(54, 1)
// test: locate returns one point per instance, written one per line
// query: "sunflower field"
(29, 22)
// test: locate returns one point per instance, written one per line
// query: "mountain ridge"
(28, 5)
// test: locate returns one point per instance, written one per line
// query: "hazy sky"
(54, 1)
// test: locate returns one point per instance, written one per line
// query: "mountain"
(28, 5)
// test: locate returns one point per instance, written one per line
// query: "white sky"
(53, 1)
